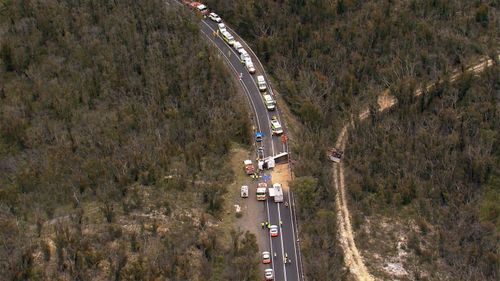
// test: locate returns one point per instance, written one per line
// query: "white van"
(269, 102)
(238, 47)
(262, 83)
(228, 37)
(244, 56)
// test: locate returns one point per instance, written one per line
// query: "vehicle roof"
(213, 14)
(274, 226)
(269, 270)
(201, 6)
(262, 184)
(260, 78)
(268, 97)
(265, 252)
(275, 122)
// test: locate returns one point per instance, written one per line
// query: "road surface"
(286, 242)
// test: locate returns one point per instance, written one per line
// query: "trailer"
(277, 192)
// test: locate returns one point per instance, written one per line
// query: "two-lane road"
(278, 214)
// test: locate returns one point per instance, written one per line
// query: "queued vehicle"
(276, 126)
(238, 47)
(249, 65)
(227, 37)
(273, 230)
(261, 82)
(221, 27)
(244, 56)
(269, 274)
(215, 17)
(202, 9)
(269, 102)
(266, 257)
(259, 136)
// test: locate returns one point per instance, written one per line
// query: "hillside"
(424, 183)
(330, 59)
(113, 138)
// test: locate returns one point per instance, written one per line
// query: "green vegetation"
(113, 133)
(434, 166)
(328, 59)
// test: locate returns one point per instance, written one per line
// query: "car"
(222, 27)
(276, 126)
(259, 136)
(260, 153)
(215, 17)
(202, 9)
(249, 65)
(269, 274)
(266, 257)
(273, 230)
(238, 47)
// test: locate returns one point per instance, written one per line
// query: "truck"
(269, 102)
(261, 191)
(249, 167)
(277, 192)
(262, 83)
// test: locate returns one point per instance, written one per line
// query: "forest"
(328, 59)
(113, 134)
(432, 165)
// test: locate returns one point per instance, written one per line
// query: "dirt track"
(353, 259)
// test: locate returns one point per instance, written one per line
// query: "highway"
(287, 241)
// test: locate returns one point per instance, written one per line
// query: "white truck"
(261, 191)
(276, 192)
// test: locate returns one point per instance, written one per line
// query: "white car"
(215, 17)
(276, 127)
(222, 27)
(238, 47)
(268, 273)
(273, 230)
(249, 65)
(202, 9)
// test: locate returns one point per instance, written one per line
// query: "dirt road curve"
(353, 259)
